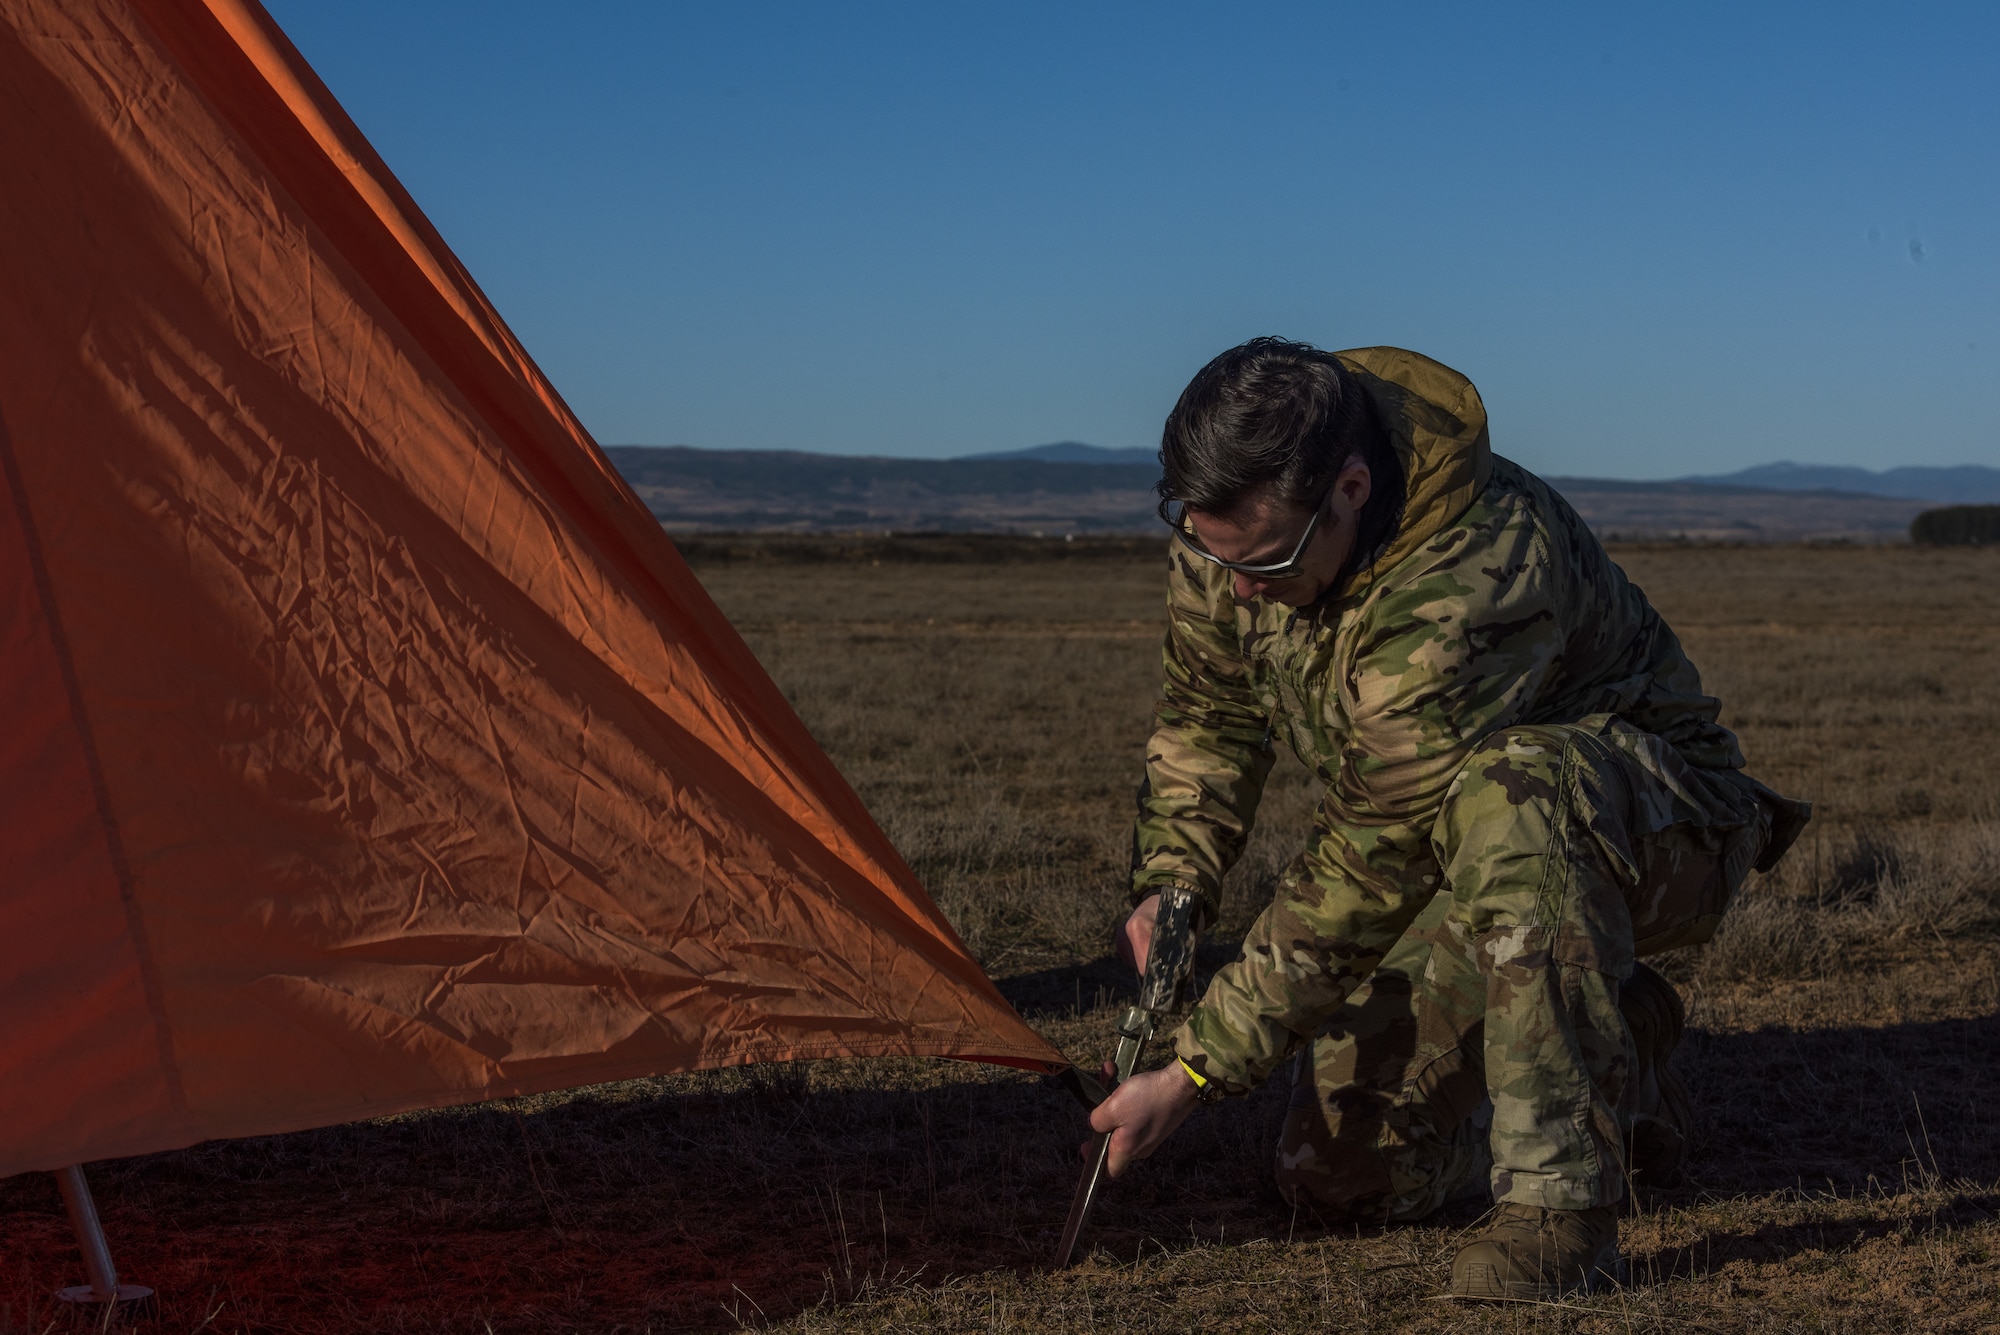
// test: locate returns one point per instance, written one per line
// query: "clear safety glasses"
(1176, 514)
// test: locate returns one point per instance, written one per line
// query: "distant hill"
(1075, 452)
(1970, 484)
(1716, 512)
(691, 490)
(695, 491)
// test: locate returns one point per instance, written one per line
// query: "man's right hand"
(1143, 1112)
(1135, 936)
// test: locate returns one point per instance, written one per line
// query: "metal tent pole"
(104, 1286)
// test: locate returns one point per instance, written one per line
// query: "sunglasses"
(1176, 513)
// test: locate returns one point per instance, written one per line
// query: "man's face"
(1264, 529)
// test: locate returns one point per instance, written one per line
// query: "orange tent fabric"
(365, 744)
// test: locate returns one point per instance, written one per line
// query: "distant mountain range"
(1074, 452)
(1070, 487)
(692, 490)
(1967, 484)
(1712, 512)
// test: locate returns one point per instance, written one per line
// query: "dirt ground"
(993, 712)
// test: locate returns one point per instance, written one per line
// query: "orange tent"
(365, 745)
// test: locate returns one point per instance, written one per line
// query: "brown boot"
(1662, 1115)
(1532, 1254)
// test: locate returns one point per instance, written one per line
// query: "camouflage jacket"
(1491, 605)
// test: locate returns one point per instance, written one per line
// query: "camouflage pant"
(1568, 851)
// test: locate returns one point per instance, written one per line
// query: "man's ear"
(1355, 483)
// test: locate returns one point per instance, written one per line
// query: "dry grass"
(993, 715)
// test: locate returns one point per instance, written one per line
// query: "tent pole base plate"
(84, 1293)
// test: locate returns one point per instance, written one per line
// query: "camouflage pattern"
(1567, 851)
(1497, 713)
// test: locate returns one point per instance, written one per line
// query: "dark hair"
(1281, 414)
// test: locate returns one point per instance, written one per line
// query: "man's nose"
(1247, 587)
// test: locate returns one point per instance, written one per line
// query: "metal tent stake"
(104, 1286)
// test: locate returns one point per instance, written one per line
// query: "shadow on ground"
(1849, 1108)
(696, 1201)
(758, 1193)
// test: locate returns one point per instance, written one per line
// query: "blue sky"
(1662, 240)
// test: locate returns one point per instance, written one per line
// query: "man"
(1526, 790)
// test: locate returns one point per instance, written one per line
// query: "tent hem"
(438, 1099)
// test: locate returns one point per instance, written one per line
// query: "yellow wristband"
(1200, 1080)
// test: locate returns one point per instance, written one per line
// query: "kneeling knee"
(1515, 767)
(1345, 1180)
(1506, 793)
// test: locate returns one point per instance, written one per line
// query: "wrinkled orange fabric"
(365, 744)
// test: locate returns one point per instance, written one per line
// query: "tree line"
(1957, 526)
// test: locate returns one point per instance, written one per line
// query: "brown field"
(991, 701)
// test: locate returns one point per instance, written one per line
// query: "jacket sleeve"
(1211, 746)
(1433, 668)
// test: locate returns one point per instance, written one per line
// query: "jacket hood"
(1437, 425)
